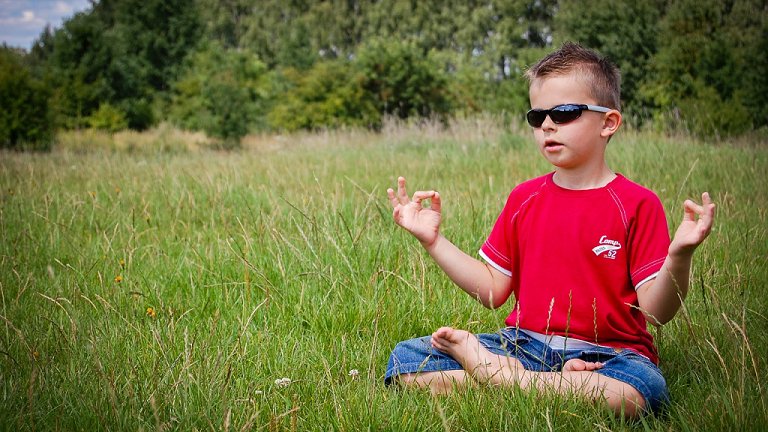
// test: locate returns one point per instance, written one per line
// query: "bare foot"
(579, 365)
(480, 363)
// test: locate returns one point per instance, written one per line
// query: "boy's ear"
(611, 123)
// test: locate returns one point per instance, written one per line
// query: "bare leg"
(442, 382)
(486, 367)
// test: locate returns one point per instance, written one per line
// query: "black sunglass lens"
(565, 113)
(536, 117)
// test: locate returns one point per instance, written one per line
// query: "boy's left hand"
(693, 231)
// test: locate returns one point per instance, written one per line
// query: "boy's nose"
(548, 124)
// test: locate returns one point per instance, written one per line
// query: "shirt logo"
(608, 247)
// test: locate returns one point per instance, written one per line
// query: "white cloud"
(63, 8)
(26, 19)
(28, 16)
(22, 21)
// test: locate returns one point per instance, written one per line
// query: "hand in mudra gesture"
(410, 213)
(695, 227)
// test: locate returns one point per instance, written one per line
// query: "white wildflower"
(354, 373)
(282, 382)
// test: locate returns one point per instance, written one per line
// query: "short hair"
(601, 76)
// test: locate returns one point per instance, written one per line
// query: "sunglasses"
(561, 114)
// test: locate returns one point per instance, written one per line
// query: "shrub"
(108, 118)
(400, 80)
(222, 93)
(325, 96)
(25, 121)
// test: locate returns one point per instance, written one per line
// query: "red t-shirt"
(576, 258)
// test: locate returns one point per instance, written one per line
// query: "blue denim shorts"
(417, 355)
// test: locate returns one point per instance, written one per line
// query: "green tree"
(401, 80)
(221, 92)
(705, 73)
(73, 59)
(280, 34)
(108, 118)
(494, 30)
(626, 32)
(328, 95)
(24, 118)
(121, 52)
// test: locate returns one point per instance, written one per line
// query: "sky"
(22, 21)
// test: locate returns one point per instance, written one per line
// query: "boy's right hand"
(409, 213)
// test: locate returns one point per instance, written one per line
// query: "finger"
(402, 195)
(420, 196)
(709, 206)
(435, 203)
(392, 198)
(708, 213)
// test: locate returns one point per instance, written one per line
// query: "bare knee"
(628, 402)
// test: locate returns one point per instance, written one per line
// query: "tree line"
(230, 67)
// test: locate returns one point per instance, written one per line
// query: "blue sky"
(21, 21)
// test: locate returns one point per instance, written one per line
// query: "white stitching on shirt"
(623, 212)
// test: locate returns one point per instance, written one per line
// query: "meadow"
(151, 282)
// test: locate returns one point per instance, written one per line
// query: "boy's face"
(579, 144)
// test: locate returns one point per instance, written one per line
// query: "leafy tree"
(221, 92)
(746, 31)
(280, 34)
(491, 29)
(121, 52)
(74, 58)
(400, 80)
(627, 33)
(753, 91)
(699, 71)
(108, 118)
(386, 78)
(223, 20)
(350, 62)
(328, 95)
(24, 118)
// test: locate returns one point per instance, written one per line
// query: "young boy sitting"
(585, 251)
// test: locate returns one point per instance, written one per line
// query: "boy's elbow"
(658, 320)
(499, 288)
(655, 322)
(496, 302)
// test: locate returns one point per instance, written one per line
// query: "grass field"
(149, 283)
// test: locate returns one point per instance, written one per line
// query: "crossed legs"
(482, 366)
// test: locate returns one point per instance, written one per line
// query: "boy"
(585, 251)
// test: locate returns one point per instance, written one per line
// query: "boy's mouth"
(552, 145)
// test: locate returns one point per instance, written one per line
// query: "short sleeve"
(648, 241)
(497, 250)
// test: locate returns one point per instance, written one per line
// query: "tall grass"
(173, 287)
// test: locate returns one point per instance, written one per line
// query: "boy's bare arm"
(480, 280)
(483, 282)
(661, 298)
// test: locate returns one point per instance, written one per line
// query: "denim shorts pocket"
(531, 353)
(596, 356)
(513, 337)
